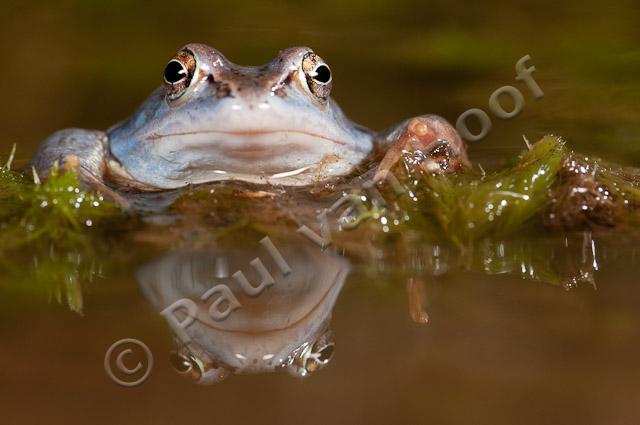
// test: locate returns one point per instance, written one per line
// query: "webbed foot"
(436, 146)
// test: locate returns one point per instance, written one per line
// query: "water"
(497, 348)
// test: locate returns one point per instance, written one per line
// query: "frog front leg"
(72, 146)
(83, 150)
(435, 143)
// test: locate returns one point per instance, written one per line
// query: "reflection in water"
(567, 260)
(266, 306)
(283, 324)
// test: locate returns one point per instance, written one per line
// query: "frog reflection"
(283, 327)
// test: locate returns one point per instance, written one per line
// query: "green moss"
(51, 276)
(56, 210)
(468, 207)
(49, 225)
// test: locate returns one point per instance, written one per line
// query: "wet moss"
(58, 209)
(48, 233)
(547, 186)
(470, 206)
(593, 193)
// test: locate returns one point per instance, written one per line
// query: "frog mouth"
(266, 155)
(246, 133)
(317, 311)
(250, 144)
(252, 138)
(255, 151)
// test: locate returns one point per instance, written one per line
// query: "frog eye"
(178, 73)
(310, 358)
(317, 74)
(199, 370)
(185, 365)
(325, 354)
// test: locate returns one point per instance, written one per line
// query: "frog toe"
(429, 140)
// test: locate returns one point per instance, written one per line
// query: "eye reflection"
(186, 365)
(179, 363)
(326, 353)
(310, 358)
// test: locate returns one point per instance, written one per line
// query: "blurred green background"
(90, 63)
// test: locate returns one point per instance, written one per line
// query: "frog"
(215, 121)
(282, 325)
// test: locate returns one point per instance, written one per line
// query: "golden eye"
(317, 74)
(178, 73)
(185, 365)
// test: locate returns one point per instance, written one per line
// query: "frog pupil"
(180, 363)
(174, 72)
(323, 74)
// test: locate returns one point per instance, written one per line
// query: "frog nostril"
(223, 90)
